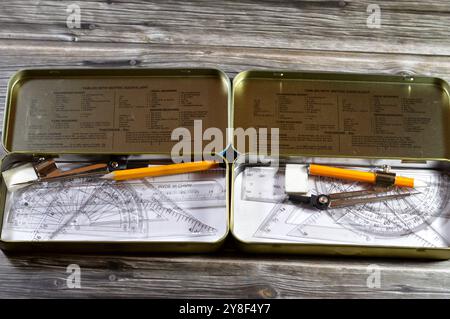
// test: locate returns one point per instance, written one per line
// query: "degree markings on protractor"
(322, 227)
(51, 209)
(90, 209)
(282, 223)
(410, 216)
(398, 217)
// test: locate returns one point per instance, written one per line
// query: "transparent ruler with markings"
(420, 220)
(89, 208)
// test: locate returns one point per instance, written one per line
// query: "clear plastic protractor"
(89, 209)
(396, 217)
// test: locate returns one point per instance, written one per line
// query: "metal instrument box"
(96, 115)
(351, 120)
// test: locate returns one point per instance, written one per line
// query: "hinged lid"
(351, 115)
(110, 110)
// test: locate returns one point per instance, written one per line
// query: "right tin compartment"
(362, 122)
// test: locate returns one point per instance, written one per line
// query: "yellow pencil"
(359, 176)
(160, 170)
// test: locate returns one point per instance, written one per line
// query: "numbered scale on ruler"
(420, 217)
(98, 209)
(264, 184)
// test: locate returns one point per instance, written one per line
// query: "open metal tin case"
(365, 121)
(91, 115)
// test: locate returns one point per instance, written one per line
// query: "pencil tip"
(108, 176)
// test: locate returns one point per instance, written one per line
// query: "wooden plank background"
(414, 38)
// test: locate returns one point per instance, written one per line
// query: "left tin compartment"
(125, 116)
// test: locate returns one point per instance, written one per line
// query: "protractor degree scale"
(89, 208)
(386, 219)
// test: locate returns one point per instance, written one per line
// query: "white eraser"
(296, 178)
(15, 178)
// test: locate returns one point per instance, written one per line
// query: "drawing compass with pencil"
(344, 199)
(296, 185)
(44, 170)
(304, 202)
(384, 182)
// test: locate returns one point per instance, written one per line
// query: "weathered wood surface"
(224, 275)
(408, 26)
(414, 38)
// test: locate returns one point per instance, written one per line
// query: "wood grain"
(234, 36)
(415, 27)
(225, 275)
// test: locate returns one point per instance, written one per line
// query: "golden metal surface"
(111, 111)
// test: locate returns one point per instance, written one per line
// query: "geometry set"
(356, 214)
(361, 166)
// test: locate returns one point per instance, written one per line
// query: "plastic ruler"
(95, 209)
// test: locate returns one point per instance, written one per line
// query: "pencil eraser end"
(17, 177)
(296, 178)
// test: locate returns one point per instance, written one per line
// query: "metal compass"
(344, 199)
